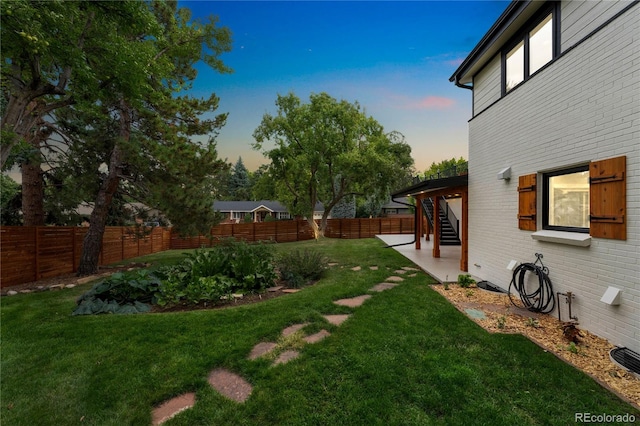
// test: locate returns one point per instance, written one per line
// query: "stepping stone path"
(353, 302)
(172, 407)
(315, 338)
(230, 385)
(286, 356)
(336, 319)
(262, 349)
(235, 387)
(382, 287)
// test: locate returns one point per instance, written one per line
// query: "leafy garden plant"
(207, 275)
(299, 267)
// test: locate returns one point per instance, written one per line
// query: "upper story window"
(533, 48)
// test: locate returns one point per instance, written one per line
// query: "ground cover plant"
(206, 275)
(406, 356)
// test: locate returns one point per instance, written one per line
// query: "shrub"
(465, 281)
(120, 294)
(298, 267)
(207, 275)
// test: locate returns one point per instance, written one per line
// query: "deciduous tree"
(326, 150)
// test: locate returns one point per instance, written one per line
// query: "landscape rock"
(172, 407)
(12, 293)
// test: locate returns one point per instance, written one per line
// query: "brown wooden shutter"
(608, 198)
(527, 202)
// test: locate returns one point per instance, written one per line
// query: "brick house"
(554, 155)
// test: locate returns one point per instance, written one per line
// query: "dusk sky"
(394, 58)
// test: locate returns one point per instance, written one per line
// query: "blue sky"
(394, 58)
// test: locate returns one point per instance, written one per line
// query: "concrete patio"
(446, 268)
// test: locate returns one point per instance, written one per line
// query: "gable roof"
(251, 206)
(506, 26)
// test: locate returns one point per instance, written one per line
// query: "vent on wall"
(627, 359)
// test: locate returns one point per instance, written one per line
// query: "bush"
(298, 267)
(207, 275)
(465, 281)
(120, 294)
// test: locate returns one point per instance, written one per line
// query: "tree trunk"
(32, 194)
(92, 243)
(317, 232)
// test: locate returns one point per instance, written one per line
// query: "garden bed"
(590, 353)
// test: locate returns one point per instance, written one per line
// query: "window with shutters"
(586, 199)
(566, 200)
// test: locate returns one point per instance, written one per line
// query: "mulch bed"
(588, 352)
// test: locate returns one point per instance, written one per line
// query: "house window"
(566, 200)
(238, 215)
(530, 50)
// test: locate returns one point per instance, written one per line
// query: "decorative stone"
(409, 268)
(400, 271)
(333, 264)
(238, 295)
(395, 279)
(356, 268)
(275, 289)
(293, 329)
(286, 356)
(262, 349)
(373, 268)
(291, 290)
(352, 302)
(70, 286)
(412, 275)
(314, 338)
(382, 287)
(12, 293)
(56, 287)
(170, 408)
(337, 319)
(27, 291)
(87, 279)
(230, 385)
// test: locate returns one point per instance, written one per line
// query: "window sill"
(560, 237)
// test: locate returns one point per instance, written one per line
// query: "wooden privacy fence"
(30, 253)
(296, 230)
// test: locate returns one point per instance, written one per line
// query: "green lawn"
(405, 357)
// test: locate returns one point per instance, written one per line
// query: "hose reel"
(540, 297)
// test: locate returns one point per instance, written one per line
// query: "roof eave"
(486, 48)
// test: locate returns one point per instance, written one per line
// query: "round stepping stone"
(230, 385)
(293, 328)
(400, 271)
(352, 302)
(412, 275)
(286, 356)
(356, 268)
(373, 268)
(395, 279)
(170, 408)
(382, 287)
(336, 319)
(262, 349)
(314, 338)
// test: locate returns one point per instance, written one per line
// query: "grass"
(405, 357)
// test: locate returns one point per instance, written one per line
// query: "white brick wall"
(584, 107)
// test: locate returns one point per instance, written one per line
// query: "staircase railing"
(453, 219)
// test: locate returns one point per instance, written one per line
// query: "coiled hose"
(541, 298)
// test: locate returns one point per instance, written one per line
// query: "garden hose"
(541, 298)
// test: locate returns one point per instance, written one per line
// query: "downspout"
(415, 220)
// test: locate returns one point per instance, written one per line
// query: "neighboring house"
(554, 155)
(235, 211)
(397, 206)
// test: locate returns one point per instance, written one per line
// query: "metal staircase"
(449, 223)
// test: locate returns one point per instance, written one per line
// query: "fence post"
(37, 256)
